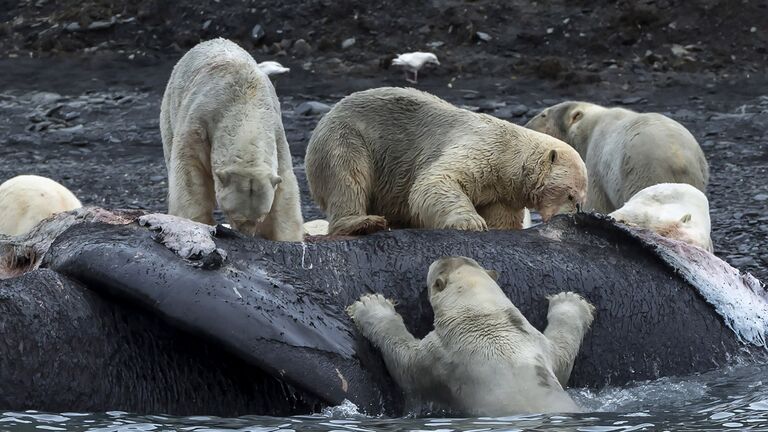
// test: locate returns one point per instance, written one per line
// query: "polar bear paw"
(369, 307)
(466, 222)
(572, 304)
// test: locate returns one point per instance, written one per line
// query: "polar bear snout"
(246, 196)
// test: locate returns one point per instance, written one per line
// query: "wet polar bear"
(26, 200)
(483, 358)
(224, 142)
(403, 157)
(625, 151)
(675, 210)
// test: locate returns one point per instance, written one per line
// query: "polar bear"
(625, 151)
(403, 157)
(483, 358)
(224, 142)
(26, 200)
(674, 210)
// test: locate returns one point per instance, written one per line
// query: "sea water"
(732, 398)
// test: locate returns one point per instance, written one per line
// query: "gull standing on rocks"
(413, 62)
(273, 68)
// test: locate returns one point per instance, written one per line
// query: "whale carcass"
(156, 314)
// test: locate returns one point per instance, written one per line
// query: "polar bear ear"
(576, 116)
(686, 218)
(276, 180)
(493, 274)
(439, 284)
(552, 156)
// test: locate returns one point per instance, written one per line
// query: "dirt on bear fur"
(81, 81)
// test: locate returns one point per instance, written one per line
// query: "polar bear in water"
(26, 200)
(675, 210)
(483, 358)
(224, 142)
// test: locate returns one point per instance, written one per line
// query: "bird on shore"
(414, 61)
(273, 68)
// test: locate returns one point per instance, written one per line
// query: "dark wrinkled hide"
(64, 347)
(290, 321)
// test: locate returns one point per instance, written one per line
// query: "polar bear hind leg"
(191, 193)
(502, 217)
(568, 320)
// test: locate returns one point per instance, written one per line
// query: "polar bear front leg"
(377, 320)
(284, 221)
(568, 320)
(438, 202)
(501, 216)
(191, 193)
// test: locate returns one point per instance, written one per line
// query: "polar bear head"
(245, 194)
(562, 120)
(558, 183)
(457, 283)
(674, 210)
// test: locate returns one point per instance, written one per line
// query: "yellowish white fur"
(410, 159)
(625, 151)
(26, 200)
(674, 210)
(483, 358)
(224, 142)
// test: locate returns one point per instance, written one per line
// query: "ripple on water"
(727, 399)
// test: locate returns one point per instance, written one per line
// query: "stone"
(301, 48)
(312, 108)
(485, 37)
(741, 261)
(257, 33)
(347, 43)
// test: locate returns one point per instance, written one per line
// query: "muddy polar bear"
(675, 210)
(224, 142)
(625, 151)
(404, 158)
(483, 358)
(26, 200)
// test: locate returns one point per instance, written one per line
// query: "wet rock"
(484, 37)
(741, 261)
(301, 48)
(311, 108)
(93, 26)
(348, 43)
(258, 33)
(633, 100)
(519, 110)
(44, 98)
(549, 68)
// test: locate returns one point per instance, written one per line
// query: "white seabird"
(413, 62)
(273, 68)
